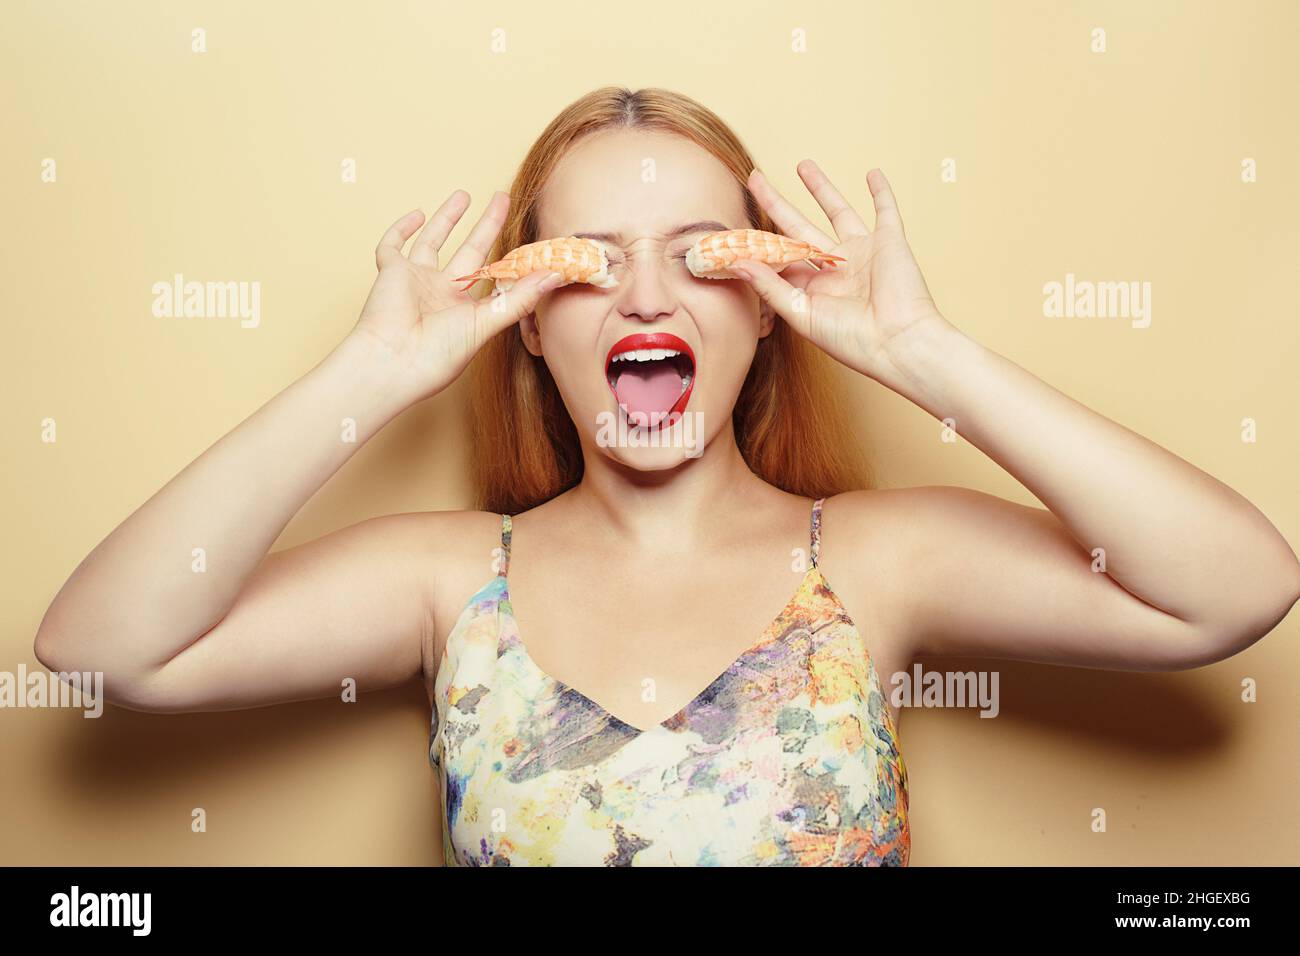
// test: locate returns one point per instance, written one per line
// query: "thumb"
(785, 300)
(498, 312)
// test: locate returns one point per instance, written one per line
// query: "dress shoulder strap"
(816, 537)
(505, 546)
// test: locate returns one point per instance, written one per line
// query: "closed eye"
(620, 258)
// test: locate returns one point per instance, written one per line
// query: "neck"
(673, 509)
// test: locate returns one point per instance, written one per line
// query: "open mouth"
(651, 375)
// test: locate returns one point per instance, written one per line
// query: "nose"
(648, 295)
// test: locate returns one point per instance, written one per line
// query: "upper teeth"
(645, 355)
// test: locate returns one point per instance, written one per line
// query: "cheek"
(567, 330)
(730, 335)
(726, 309)
(730, 304)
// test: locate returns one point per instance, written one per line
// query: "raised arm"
(182, 608)
(1140, 561)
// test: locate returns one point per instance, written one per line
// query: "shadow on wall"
(1143, 713)
(127, 761)
(116, 774)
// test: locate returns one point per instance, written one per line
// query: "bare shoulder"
(452, 554)
(874, 544)
(862, 531)
(432, 542)
(901, 510)
(443, 535)
(900, 527)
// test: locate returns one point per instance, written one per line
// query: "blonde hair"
(787, 423)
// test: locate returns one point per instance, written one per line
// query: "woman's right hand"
(426, 329)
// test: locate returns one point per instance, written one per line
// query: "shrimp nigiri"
(710, 257)
(577, 260)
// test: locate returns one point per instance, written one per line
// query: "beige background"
(225, 165)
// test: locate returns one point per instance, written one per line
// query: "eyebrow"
(706, 225)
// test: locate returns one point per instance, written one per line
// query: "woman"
(640, 574)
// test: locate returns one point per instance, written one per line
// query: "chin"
(650, 459)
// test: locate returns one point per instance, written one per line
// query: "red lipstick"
(654, 340)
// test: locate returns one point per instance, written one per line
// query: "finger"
(883, 197)
(499, 312)
(438, 228)
(390, 246)
(844, 218)
(799, 274)
(788, 219)
(474, 250)
(790, 303)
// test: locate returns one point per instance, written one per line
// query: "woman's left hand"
(856, 310)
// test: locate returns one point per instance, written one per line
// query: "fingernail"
(742, 272)
(551, 281)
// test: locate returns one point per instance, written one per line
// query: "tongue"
(647, 390)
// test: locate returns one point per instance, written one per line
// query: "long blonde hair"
(787, 422)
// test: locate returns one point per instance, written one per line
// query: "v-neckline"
(768, 636)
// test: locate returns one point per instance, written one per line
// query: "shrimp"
(577, 260)
(712, 254)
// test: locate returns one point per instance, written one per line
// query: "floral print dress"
(790, 757)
